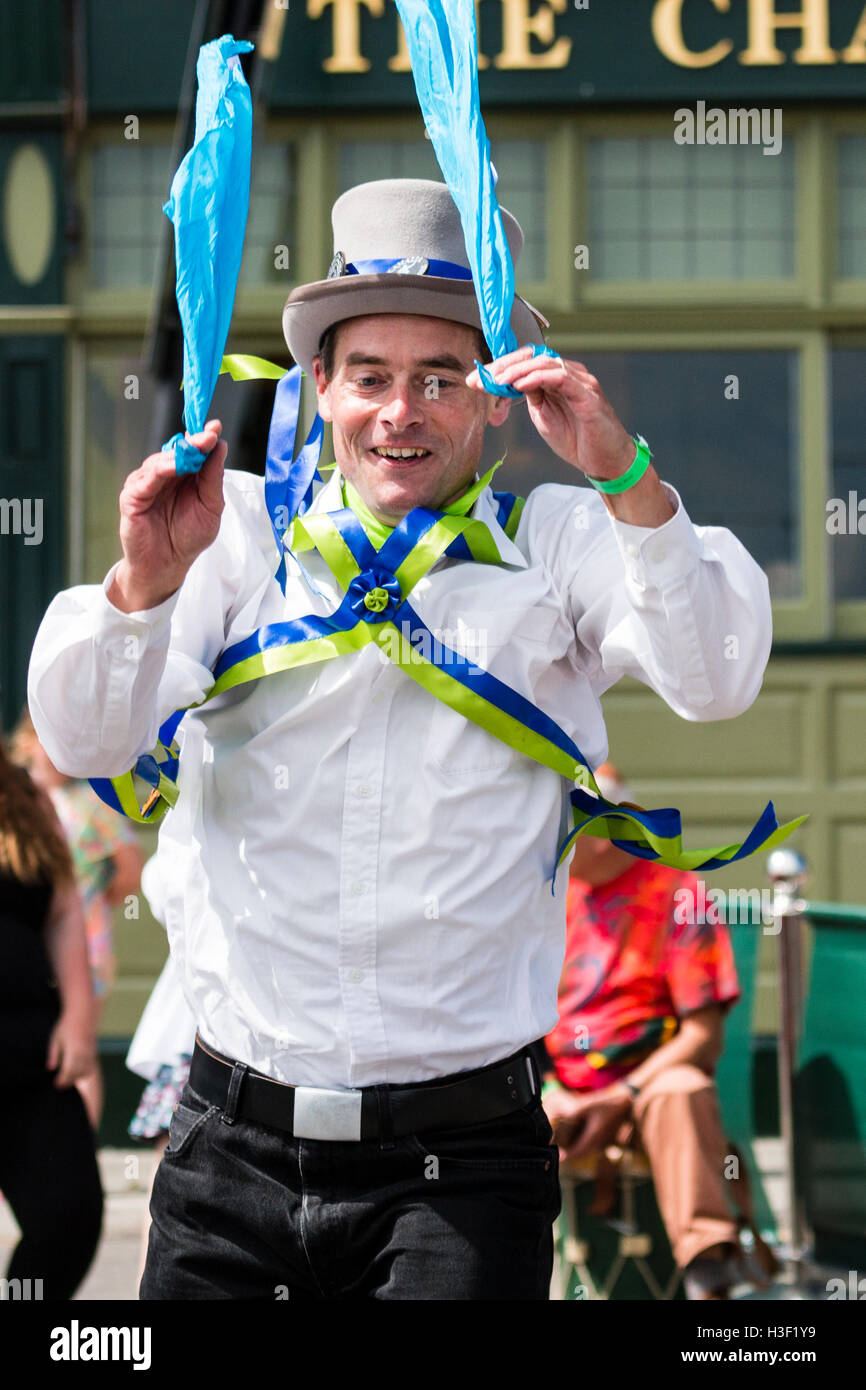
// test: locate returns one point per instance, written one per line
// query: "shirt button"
(356, 976)
(364, 790)
(358, 887)
(632, 551)
(659, 554)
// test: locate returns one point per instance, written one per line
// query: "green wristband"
(632, 476)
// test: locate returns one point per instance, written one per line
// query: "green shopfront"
(710, 267)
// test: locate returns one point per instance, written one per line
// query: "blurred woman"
(48, 1168)
(107, 864)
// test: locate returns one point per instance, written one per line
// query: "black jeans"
(50, 1177)
(244, 1211)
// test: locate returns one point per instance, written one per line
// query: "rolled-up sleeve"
(683, 608)
(101, 682)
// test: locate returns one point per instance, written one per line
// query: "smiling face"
(398, 385)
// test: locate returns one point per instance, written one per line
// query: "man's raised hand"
(166, 520)
(575, 419)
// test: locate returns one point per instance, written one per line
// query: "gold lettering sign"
(527, 20)
(518, 25)
(856, 50)
(667, 28)
(347, 55)
(813, 21)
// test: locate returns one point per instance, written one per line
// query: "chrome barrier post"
(788, 872)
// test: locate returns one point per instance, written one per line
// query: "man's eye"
(366, 380)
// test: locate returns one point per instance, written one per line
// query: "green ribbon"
(243, 367)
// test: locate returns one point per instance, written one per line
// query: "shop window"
(666, 212)
(131, 183)
(269, 240)
(851, 165)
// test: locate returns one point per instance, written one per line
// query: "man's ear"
(323, 389)
(499, 410)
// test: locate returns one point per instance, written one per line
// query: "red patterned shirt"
(637, 959)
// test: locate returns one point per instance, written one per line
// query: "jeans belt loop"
(239, 1071)
(386, 1124)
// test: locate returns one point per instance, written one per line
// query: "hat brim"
(311, 309)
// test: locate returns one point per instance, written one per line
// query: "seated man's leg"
(678, 1120)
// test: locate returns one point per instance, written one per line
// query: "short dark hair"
(328, 344)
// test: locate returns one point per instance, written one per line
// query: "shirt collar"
(329, 498)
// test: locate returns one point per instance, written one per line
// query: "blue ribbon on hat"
(448, 270)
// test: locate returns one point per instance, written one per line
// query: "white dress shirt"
(166, 1029)
(357, 879)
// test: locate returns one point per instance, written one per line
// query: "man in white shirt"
(358, 877)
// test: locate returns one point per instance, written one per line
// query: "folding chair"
(625, 1255)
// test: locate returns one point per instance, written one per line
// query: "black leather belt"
(371, 1112)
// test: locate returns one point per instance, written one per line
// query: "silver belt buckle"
(322, 1114)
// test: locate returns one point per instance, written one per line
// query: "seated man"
(642, 1001)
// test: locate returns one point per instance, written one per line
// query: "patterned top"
(638, 959)
(95, 833)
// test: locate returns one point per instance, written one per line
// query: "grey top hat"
(414, 227)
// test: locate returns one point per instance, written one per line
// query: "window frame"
(849, 615)
(847, 292)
